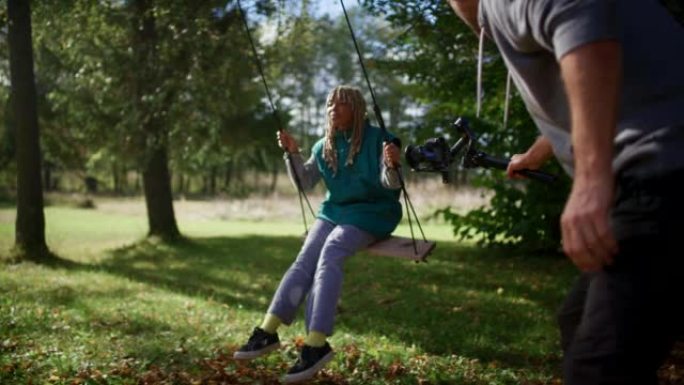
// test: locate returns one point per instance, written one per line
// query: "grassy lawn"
(122, 311)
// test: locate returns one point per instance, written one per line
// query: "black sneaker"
(259, 343)
(310, 361)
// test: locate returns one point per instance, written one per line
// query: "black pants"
(618, 325)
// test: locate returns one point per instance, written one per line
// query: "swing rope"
(302, 195)
(378, 116)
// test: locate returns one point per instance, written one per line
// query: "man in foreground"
(604, 82)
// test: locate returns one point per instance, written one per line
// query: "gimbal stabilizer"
(436, 156)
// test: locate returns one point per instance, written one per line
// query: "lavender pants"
(317, 273)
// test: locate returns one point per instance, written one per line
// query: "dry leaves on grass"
(222, 369)
(672, 372)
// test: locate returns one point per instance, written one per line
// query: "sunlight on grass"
(123, 310)
(89, 232)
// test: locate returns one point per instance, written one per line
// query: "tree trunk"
(212, 180)
(30, 222)
(238, 172)
(47, 176)
(274, 175)
(156, 176)
(157, 186)
(228, 175)
(116, 175)
(181, 184)
(123, 180)
(136, 184)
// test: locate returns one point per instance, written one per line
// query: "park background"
(146, 216)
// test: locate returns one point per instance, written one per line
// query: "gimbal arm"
(476, 158)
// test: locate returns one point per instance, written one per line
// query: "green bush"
(521, 213)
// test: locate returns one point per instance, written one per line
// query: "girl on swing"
(358, 166)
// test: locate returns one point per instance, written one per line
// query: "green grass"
(126, 311)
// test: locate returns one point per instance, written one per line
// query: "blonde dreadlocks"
(352, 96)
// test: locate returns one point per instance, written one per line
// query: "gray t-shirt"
(533, 35)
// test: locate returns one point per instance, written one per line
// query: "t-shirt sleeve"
(563, 25)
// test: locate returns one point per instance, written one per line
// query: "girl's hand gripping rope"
(287, 142)
(391, 155)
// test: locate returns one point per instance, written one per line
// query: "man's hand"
(536, 155)
(519, 162)
(287, 142)
(587, 236)
(391, 156)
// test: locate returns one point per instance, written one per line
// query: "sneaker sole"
(256, 353)
(305, 375)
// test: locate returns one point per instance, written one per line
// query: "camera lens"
(413, 155)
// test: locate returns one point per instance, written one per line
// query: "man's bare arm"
(592, 75)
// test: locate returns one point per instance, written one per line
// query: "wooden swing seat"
(402, 247)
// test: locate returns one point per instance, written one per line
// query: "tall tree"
(196, 89)
(30, 224)
(156, 177)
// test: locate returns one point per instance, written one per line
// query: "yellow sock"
(315, 339)
(271, 323)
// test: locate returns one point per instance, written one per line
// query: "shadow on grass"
(466, 301)
(234, 271)
(41, 256)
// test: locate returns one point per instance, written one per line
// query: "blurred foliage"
(205, 90)
(438, 53)
(201, 85)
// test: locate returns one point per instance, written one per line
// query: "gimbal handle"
(484, 160)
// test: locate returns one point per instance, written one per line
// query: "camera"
(435, 155)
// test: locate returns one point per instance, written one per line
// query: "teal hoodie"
(355, 194)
